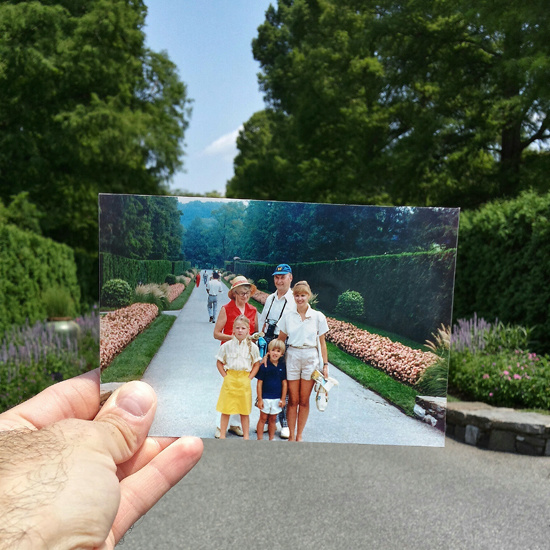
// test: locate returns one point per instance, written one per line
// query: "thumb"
(126, 418)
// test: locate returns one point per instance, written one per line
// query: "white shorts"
(300, 363)
(271, 406)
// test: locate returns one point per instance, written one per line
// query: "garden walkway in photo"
(186, 380)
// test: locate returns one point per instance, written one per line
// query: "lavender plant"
(491, 363)
(35, 357)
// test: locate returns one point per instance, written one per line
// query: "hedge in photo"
(409, 293)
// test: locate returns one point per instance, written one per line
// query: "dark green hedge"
(137, 271)
(503, 264)
(410, 293)
(29, 264)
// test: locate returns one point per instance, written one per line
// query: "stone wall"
(499, 429)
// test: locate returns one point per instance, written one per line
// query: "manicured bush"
(262, 284)
(350, 304)
(116, 293)
(170, 279)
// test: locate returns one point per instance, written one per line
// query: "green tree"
(85, 107)
(434, 103)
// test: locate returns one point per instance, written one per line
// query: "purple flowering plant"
(35, 357)
(489, 363)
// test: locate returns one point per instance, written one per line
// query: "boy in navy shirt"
(271, 388)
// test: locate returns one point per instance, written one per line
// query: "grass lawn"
(130, 364)
(401, 395)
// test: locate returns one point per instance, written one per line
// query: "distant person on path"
(239, 294)
(305, 329)
(213, 288)
(271, 388)
(198, 280)
(275, 305)
(238, 361)
(205, 277)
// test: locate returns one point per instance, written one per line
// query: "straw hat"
(240, 281)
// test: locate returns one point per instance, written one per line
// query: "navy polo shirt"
(272, 377)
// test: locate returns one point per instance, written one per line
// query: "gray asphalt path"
(249, 495)
(187, 382)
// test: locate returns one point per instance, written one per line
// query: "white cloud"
(224, 147)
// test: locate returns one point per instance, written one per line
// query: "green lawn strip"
(181, 300)
(130, 363)
(400, 395)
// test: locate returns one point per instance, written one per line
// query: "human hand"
(75, 476)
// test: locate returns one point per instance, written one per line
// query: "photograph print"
(279, 320)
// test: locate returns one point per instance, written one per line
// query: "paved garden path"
(187, 382)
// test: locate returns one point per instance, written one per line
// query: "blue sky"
(210, 42)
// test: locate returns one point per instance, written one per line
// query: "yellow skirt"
(236, 393)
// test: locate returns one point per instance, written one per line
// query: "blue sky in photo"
(210, 42)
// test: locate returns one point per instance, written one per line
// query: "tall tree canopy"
(397, 102)
(85, 107)
(141, 227)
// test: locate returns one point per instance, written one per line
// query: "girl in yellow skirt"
(238, 362)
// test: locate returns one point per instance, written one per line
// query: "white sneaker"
(218, 433)
(285, 432)
(237, 430)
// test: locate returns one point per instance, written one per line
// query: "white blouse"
(238, 356)
(303, 333)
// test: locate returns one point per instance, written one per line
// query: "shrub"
(262, 284)
(350, 304)
(58, 302)
(170, 279)
(116, 293)
(505, 379)
(434, 379)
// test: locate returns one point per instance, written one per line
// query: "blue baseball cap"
(282, 269)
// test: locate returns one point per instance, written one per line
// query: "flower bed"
(174, 291)
(118, 328)
(395, 359)
(260, 297)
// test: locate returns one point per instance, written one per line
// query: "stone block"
(500, 440)
(533, 446)
(471, 435)
(460, 432)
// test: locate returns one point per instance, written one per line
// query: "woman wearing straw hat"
(239, 293)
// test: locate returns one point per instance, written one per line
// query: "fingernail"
(137, 399)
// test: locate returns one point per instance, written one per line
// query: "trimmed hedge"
(503, 265)
(409, 294)
(135, 272)
(30, 264)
